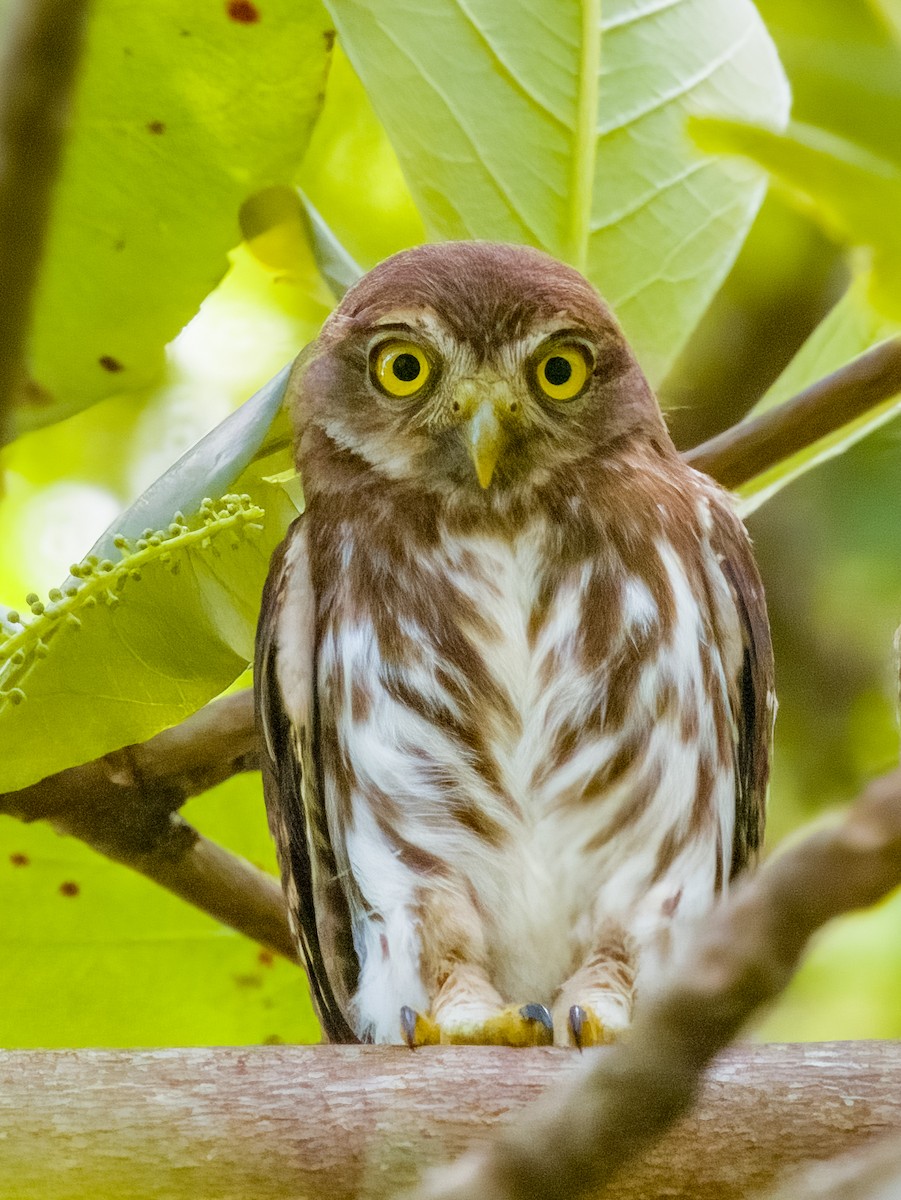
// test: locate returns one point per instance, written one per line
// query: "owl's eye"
(400, 368)
(563, 372)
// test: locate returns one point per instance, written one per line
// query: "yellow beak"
(485, 441)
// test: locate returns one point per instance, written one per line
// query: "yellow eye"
(400, 368)
(562, 372)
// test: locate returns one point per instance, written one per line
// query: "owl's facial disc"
(490, 417)
(555, 372)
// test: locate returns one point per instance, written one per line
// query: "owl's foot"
(587, 1029)
(516, 1025)
(598, 1019)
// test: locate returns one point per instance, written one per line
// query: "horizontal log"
(360, 1121)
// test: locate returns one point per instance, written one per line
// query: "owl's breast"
(531, 727)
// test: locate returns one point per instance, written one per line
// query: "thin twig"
(757, 444)
(125, 805)
(38, 73)
(745, 955)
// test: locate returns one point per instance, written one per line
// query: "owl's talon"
(538, 1012)
(577, 1019)
(408, 1026)
(418, 1030)
(586, 1028)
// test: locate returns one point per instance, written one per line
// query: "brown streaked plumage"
(514, 675)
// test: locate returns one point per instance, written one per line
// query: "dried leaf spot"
(248, 981)
(19, 860)
(110, 364)
(156, 127)
(34, 395)
(243, 11)
(69, 888)
(329, 39)
(265, 958)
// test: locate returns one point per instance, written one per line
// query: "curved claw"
(417, 1030)
(408, 1026)
(537, 1012)
(578, 1019)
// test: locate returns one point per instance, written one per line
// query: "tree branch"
(753, 446)
(743, 957)
(125, 806)
(39, 66)
(361, 1122)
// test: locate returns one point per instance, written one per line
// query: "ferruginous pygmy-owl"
(514, 675)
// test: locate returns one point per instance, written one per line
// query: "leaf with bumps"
(165, 147)
(137, 641)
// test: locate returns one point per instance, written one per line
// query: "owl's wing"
(751, 691)
(287, 720)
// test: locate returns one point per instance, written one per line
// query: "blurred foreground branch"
(125, 805)
(753, 446)
(578, 1138)
(869, 1173)
(38, 71)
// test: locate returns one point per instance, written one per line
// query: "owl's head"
(474, 366)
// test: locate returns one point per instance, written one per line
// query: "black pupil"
(557, 371)
(406, 367)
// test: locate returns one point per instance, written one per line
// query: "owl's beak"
(485, 441)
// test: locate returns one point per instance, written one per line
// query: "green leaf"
(850, 330)
(94, 955)
(137, 641)
(337, 267)
(854, 193)
(521, 123)
(843, 58)
(352, 176)
(891, 12)
(165, 147)
(207, 469)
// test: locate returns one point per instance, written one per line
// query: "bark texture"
(335, 1122)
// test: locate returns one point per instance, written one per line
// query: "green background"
(91, 954)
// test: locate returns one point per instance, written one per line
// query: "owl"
(513, 674)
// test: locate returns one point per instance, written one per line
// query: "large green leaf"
(852, 328)
(352, 176)
(94, 955)
(523, 123)
(183, 110)
(843, 58)
(856, 194)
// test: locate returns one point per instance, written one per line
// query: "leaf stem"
(586, 136)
